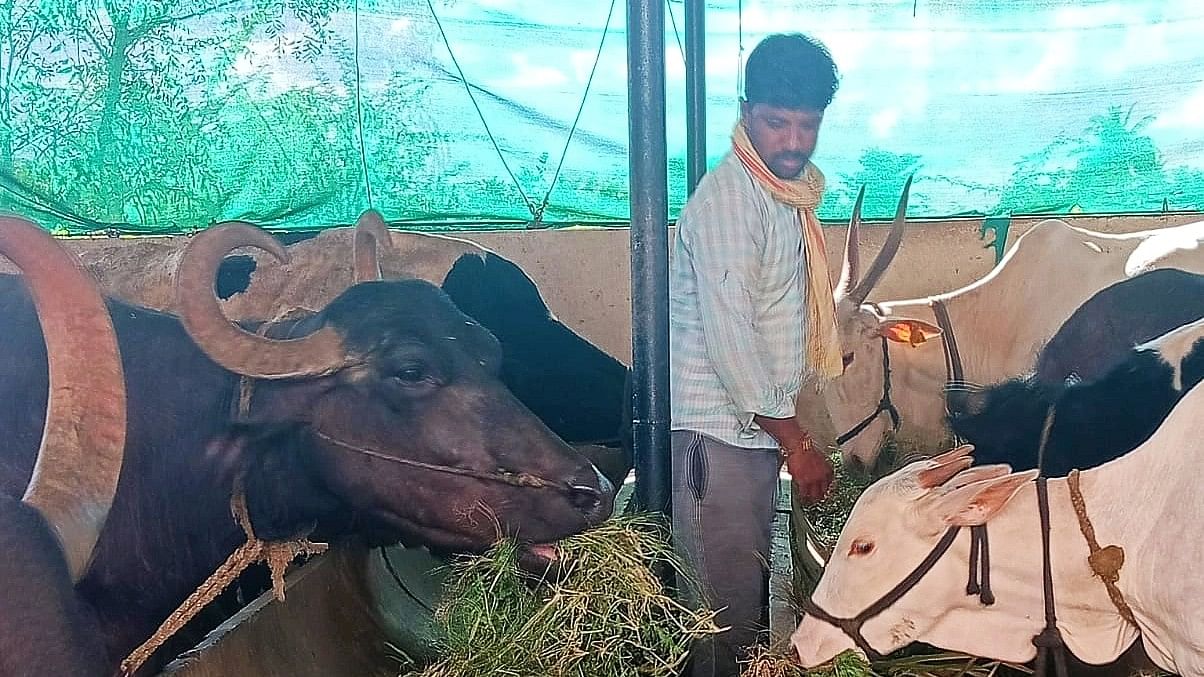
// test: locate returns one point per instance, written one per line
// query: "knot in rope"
(1107, 562)
(1049, 638)
(277, 555)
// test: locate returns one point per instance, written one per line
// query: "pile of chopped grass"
(828, 517)
(851, 664)
(608, 615)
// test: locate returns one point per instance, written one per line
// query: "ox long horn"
(83, 440)
(226, 343)
(851, 268)
(889, 249)
(370, 234)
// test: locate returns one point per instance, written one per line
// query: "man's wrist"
(802, 443)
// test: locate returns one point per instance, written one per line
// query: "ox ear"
(975, 503)
(908, 331)
(943, 467)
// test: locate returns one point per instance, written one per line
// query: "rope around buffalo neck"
(277, 554)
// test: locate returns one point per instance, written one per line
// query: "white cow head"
(855, 395)
(894, 526)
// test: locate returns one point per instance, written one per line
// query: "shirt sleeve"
(725, 240)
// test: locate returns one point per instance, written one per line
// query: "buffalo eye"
(411, 375)
(861, 548)
(847, 359)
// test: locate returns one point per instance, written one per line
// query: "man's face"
(784, 137)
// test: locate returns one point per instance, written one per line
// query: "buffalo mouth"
(542, 560)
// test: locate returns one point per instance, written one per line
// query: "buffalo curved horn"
(79, 461)
(226, 343)
(889, 249)
(851, 267)
(370, 234)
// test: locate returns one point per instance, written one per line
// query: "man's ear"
(908, 331)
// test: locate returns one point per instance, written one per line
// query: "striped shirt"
(736, 309)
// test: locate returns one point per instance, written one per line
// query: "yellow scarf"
(823, 354)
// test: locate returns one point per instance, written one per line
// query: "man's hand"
(810, 469)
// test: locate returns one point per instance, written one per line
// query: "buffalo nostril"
(585, 499)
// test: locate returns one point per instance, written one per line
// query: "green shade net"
(164, 116)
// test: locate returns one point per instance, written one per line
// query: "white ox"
(999, 323)
(1143, 502)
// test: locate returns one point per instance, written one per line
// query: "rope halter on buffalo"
(278, 555)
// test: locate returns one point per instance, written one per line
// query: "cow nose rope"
(277, 554)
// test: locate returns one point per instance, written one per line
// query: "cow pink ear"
(976, 503)
(908, 331)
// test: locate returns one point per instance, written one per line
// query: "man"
(752, 322)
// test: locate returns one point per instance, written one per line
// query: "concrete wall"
(585, 274)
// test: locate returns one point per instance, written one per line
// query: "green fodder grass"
(608, 615)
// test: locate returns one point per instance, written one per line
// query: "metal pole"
(696, 93)
(649, 193)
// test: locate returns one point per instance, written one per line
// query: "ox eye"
(861, 548)
(847, 359)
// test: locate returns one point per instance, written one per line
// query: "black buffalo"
(380, 417)
(574, 387)
(49, 527)
(1136, 370)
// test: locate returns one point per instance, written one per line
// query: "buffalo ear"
(284, 496)
(230, 453)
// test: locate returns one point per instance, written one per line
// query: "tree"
(133, 113)
(1112, 165)
(883, 174)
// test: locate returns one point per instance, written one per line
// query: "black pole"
(649, 192)
(696, 93)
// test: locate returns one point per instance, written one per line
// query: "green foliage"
(607, 616)
(168, 115)
(1111, 166)
(883, 173)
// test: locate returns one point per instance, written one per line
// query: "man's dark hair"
(790, 70)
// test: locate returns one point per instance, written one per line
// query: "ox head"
(386, 406)
(83, 440)
(896, 523)
(855, 395)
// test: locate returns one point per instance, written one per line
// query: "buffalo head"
(385, 407)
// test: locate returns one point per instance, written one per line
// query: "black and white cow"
(1094, 421)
